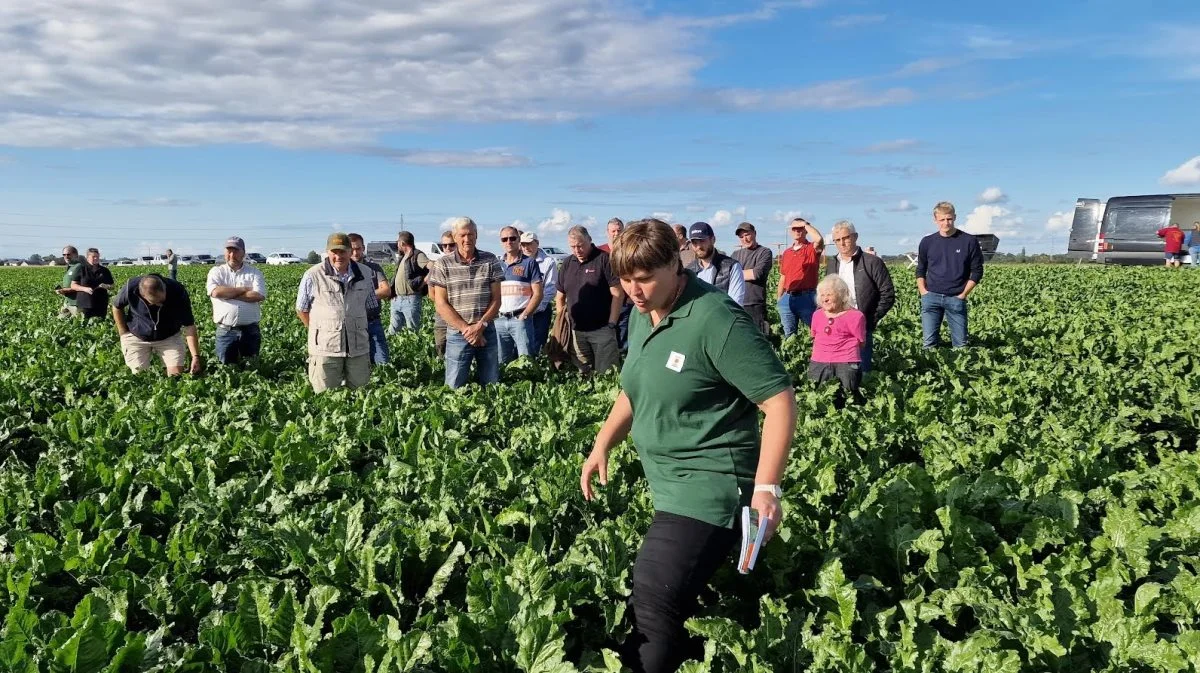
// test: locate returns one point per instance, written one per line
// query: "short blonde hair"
(644, 245)
(839, 289)
(461, 223)
(845, 225)
(943, 207)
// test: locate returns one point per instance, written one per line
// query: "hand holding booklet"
(752, 540)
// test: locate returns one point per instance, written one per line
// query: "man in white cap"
(539, 322)
(237, 291)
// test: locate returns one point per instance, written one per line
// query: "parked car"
(256, 258)
(282, 258)
(186, 260)
(150, 260)
(557, 253)
(431, 249)
(1124, 229)
(125, 261)
(382, 252)
(204, 259)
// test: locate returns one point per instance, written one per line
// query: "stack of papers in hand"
(752, 540)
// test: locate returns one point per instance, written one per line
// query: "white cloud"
(905, 206)
(889, 147)
(339, 74)
(665, 217)
(786, 216)
(1060, 221)
(1187, 173)
(560, 220)
(993, 195)
(695, 209)
(485, 158)
(993, 219)
(160, 202)
(444, 226)
(904, 241)
(847, 94)
(724, 218)
(872, 213)
(856, 20)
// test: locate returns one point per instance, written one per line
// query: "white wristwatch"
(773, 489)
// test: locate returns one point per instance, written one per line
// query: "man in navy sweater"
(949, 266)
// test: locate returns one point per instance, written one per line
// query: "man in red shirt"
(615, 226)
(799, 267)
(1173, 244)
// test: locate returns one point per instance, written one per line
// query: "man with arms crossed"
(520, 295)
(756, 269)
(237, 291)
(949, 266)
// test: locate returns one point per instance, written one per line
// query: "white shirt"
(846, 273)
(549, 267)
(235, 312)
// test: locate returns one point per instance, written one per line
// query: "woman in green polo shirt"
(697, 373)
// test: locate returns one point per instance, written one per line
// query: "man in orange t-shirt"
(799, 269)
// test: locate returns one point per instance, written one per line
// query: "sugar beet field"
(1029, 504)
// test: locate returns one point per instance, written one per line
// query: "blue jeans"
(1194, 251)
(623, 326)
(459, 354)
(866, 352)
(406, 313)
(235, 343)
(797, 308)
(378, 340)
(539, 331)
(513, 335)
(933, 307)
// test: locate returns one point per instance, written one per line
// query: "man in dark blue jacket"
(154, 316)
(949, 266)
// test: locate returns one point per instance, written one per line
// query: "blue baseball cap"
(700, 231)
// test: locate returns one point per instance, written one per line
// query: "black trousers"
(677, 559)
(758, 314)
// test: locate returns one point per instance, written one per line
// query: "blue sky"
(135, 125)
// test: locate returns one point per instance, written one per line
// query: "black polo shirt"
(586, 286)
(155, 323)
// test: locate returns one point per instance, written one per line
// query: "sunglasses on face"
(797, 228)
(447, 246)
(508, 239)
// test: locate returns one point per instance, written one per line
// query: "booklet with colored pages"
(752, 540)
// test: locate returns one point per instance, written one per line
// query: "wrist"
(773, 489)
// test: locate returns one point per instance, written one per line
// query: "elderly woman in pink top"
(838, 331)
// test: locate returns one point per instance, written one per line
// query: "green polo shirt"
(694, 383)
(72, 273)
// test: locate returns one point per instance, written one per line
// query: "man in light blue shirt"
(714, 267)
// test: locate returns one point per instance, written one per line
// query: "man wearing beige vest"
(332, 304)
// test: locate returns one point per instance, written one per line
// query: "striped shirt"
(468, 285)
(517, 287)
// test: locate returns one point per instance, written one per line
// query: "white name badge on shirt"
(675, 362)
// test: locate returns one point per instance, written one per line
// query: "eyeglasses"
(843, 238)
(447, 246)
(508, 239)
(829, 326)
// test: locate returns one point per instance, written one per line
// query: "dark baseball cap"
(699, 231)
(337, 241)
(744, 226)
(235, 242)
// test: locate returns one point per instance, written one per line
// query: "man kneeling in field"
(154, 315)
